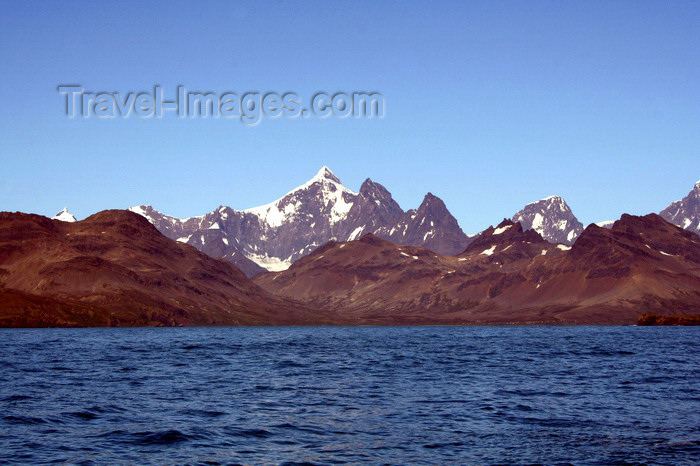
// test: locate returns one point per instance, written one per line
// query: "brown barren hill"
(115, 269)
(506, 275)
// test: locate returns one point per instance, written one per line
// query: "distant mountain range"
(116, 269)
(271, 237)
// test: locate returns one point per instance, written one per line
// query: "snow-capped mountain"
(64, 216)
(686, 212)
(272, 236)
(552, 218)
(303, 219)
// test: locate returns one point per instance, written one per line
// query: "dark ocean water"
(439, 395)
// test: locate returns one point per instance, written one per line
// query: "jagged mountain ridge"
(686, 212)
(273, 236)
(373, 209)
(430, 226)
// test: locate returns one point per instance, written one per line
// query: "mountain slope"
(304, 218)
(552, 218)
(686, 212)
(215, 242)
(115, 268)
(373, 209)
(506, 275)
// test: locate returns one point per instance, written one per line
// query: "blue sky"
(489, 105)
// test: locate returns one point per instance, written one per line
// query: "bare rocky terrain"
(611, 276)
(115, 269)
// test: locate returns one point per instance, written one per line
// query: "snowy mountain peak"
(326, 178)
(64, 216)
(555, 202)
(326, 173)
(324, 189)
(552, 218)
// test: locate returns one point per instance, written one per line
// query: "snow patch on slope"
(537, 222)
(500, 230)
(273, 264)
(355, 233)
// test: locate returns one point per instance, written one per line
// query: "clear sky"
(489, 105)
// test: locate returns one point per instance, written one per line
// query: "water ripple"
(410, 395)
